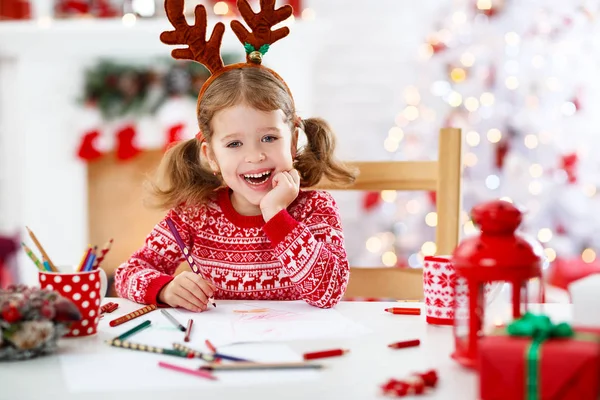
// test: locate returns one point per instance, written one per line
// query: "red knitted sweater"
(298, 254)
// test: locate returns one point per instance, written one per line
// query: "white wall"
(346, 66)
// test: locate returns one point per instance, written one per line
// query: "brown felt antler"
(199, 50)
(257, 41)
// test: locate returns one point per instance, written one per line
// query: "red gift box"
(569, 369)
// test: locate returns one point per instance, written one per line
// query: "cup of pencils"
(85, 284)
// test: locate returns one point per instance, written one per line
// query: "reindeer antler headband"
(208, 53)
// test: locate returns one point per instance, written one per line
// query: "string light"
(221, 8)
(440, 88)
(550, 254)
(535, 170)
(389, 259)
(425, 51)
(413, 206)
(473, 138)
(484, 5)
(458, 74)
(459, 17)
(512, 38)
(431, 219)
(391, 145)
(568, 108)
(535, 188)
(129, 19)
(531, 141)
(589, 190)
(511, 82)
(412, 96)
(467, 59)
(428, 248)
(373, 244)
(494, 135)
(492, 182)
(411, 113)
(506, 199)
(588, 255)
(469, 228)
(308, 14)
(470, 159)
(454, 99)
(389, 196)
(471, 104)
(544, 235)
(396, 133)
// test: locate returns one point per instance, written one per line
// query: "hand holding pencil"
(187, 290)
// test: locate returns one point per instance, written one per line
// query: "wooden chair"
(442, 176)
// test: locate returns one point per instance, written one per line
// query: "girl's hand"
(286, 185)
(188, 290)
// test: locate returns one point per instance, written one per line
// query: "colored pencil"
(188, 330)
(173, 320)
(195, 372)
(133, 330)
(323, 354)
(404, 311)
(84, 259)
(103, 253)
(210, 346)
(33, 257)
(404, 344)
(149, 349)
(252, 365)
(91, 258)
(207, 357)
(185, 250)
(132, 315)
(41, 249)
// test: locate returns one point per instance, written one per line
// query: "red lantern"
(498, 254)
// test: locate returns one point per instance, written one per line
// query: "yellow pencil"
(33, 257)
(83, 258)
(45, 256)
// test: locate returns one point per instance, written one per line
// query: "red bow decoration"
(568, 163)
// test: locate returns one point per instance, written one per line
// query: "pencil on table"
(207, 357)
(33, 257)
(252, 365)
(133, 330)
(41, 249)
(404, 344)
(323, 354)
(132, 315)
(185, 250)
(210, 346)
(173, 320)
(404, 311)
(188, 330)
(149, 349)
(195, 372)
(103, 252)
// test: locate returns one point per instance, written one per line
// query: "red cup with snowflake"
(85, 289)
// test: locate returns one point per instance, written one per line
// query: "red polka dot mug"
(85, 289)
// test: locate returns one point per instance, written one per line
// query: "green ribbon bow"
(540, 328)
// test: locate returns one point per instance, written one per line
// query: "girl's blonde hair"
(182, 177)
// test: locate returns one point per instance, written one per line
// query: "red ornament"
(126, 149)
(498, 254)
(87, 149)
(415, 384)
(371, 200)
(11, 314)
(502, 149)
(565, 271)
(568, 163)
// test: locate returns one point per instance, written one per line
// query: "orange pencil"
(45, 256)
(404, 311)
(132, 315)
(210, 346)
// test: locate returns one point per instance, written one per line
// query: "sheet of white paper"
(127, 370)
(272, 321)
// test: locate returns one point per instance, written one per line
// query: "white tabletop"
(357, 375)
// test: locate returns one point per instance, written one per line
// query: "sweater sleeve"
(151, 267)
(312, 250)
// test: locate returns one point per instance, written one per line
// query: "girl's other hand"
(286, 185)
(188, 290)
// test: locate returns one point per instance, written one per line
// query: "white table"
(357, 375)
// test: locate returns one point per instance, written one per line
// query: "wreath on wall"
(117, 96)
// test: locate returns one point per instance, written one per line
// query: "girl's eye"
(269, 138)
(234, 144)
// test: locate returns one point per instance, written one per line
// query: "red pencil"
(404, 310)
(325, 353)
(210, 346)
(188, 330)
(404, 344)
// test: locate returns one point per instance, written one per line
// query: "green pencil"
(133, 330)
(33, 257)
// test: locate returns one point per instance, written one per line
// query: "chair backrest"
(442, 176)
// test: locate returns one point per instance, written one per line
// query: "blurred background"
(90, 98)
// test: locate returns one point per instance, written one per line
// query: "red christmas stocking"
(126, 149)
(87, 149)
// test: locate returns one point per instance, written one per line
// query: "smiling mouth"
(257, 179)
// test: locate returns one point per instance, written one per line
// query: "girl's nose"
(255, 156)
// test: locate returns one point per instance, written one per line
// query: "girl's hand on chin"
(286, 185)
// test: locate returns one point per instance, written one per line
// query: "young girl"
(234, 196)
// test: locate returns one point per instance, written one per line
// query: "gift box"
(514, 367)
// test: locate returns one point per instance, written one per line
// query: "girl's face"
(248, 148)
